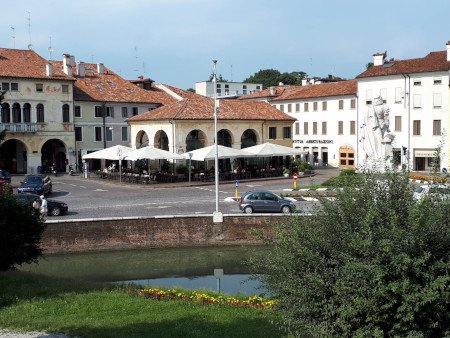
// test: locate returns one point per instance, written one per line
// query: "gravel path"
(14, 334)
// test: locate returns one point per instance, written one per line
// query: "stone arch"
(249, 138)
(224, 138)
(142, 139)
(161, 140)
(16, 113)
(196, 139)
(6, 113)
(26, 112)
(53, 152)
(13, 156)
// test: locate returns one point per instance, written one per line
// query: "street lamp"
(217, 215)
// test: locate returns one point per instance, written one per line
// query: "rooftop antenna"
(92, 58)
(231, 71)
(50, 48)
(30, 46)
(143, 68)
(13, 36)
(136, 65)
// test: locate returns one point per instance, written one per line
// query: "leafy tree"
(272, 77)
(218, 77)
(372, 263)
(21, 230)
(192, 90)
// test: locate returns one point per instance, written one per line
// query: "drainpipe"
(357, 129)
(173, 144)
(262, 131)
(407, 104)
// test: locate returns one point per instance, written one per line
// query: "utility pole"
(104, 123)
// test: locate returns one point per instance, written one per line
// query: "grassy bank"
(34, 302)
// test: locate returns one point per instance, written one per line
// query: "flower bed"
(422, 177)
(206, 299)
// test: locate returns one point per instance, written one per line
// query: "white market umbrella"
(112, 153)
(152, 153)
(270, 149)
(116, 153)
(209, 153)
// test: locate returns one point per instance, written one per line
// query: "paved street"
(97, 198)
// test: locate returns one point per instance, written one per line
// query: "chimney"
(272, 90)
(49, 69)
(448, 51)
(100, 68)
(378, 58)
(67, 68)
(81, 69)
(72, 61)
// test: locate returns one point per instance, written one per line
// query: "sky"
(175, 41)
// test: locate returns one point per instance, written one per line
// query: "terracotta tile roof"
(339, 88)
(202, 108)
(110, 87)
(433, 62)
(17, 63)
(185, 94)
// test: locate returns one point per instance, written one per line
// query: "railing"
(19, 127)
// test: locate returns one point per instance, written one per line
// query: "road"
(97, 198)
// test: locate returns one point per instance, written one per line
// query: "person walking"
(36, 207)
(44, 208)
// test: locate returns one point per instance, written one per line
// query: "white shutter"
(398, 94)
(369, 96)
(383, 94)
(417, 101)
(437, 100)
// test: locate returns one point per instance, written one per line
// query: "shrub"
(372, 263)
(21, 231)
(182, 169)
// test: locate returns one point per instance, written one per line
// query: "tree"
(21, 230)
(372, 263)
(218, 77)
(272, 77)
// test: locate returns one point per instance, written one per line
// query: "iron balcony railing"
(19, 127)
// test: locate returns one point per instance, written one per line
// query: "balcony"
(19, 127)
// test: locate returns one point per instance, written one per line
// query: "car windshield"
(33, 180)
(419, 189)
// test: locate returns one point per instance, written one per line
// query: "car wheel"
(55, 211)
(285, 209)
(248, 210)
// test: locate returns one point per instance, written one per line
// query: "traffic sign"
(295, 176)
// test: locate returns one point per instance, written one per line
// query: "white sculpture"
(376, 139)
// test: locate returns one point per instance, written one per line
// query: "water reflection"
(191, 268)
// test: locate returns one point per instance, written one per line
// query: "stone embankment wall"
(152, 232)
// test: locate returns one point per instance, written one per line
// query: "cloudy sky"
(175, 41)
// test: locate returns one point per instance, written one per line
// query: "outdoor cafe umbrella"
(116, 153)
(209, 153)
(112, 153)
(152, 153)
(271, 149)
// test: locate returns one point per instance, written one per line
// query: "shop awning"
(424, 152)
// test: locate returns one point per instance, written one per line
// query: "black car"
(265, 201)
(55, 208)
(5, 176)
(36, 184)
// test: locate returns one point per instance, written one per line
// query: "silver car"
(265, 201)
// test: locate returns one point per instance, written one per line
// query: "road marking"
(253, 185)
(212, 190)
(73, 185)
(82, 186)
(100, 190)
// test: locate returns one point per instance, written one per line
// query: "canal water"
(191, 268)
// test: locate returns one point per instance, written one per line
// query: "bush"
(21, 231)
(182, 169)
(372, 263)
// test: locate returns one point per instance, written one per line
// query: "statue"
(376, 138)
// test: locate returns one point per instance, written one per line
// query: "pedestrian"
(43, 207)
(36, 207)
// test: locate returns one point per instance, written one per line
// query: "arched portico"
(249, 138)
(161, 140)
(142, 139)
(13, 156)
(53, 153)
(196, 139)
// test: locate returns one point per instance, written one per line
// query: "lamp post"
(217, 215)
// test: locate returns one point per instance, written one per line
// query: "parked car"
(5, 176)
(265, 201)
(36, 184)
(436, 191)
(55, 208)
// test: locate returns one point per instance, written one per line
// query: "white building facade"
(416, 92)
(226, 89)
